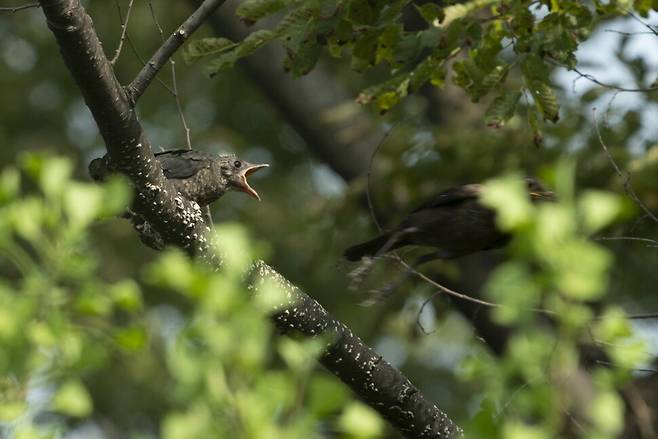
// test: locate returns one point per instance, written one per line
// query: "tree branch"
(372, 378)
(176, 219)
(180, 222)
(169, 47)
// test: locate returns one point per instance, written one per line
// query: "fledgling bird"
(197, 175)
(453, 222)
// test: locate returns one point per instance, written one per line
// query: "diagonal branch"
(169, 47)
(179, 222)
(373, 379)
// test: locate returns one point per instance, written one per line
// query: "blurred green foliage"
(537, 388)
(219, 369)
(309, 215)
(514, 34)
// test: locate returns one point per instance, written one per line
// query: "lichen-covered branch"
(176, 219)
(372, 378)
(169, 47)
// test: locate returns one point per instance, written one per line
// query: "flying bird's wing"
(450, 196)
(182, 163)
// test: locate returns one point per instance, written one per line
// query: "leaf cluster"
(486, 40)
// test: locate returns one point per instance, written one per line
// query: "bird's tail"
(369, 248)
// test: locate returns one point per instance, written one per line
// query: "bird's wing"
(450, 196)
(182, 163)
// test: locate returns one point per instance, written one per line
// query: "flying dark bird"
(197, 175)
(454, 222)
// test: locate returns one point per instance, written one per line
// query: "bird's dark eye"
(237, 163)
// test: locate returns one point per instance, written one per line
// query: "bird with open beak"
(199, 176)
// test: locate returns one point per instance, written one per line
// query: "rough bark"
(180, 223)
(373, 379)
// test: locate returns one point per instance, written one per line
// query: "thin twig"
(651, 28)
(19, 8)
(643, 316)
(176, 95)
(623, 174)
(169, 47)
(653, 242)
(179, 106)
(593, 79)
(124, 30)
(136, 52)
(155, 21)
(371, 207)
(445, 289)
(634, 369)
(628, 34)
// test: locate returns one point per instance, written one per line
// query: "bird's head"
(236, 171)
(537, 191)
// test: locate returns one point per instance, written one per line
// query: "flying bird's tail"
(369, 248)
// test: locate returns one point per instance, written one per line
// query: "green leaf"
(302, 61)
(54, 175)
(293, 27)
(10, 183)
(82, 203)
(581, 269)
(11, 410)
(325, 397)
(300, 356)
(612, 325)
(126, 295)
(194, 423)
(253, 10)
(514, 429)
(360, 421)
(501, 109)
(360, 12)
(249, 45)
(131, 339)
(72, 399)
(607, 413)
(599, 209)
(117, 194)
(515, 289)
(545, 100)
(197, 49)
(508, 195)
(430, 12)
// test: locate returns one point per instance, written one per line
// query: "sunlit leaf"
(599, 209)
(501, 109)
(361, 421)
(508, 195)
(607, 412)
(72, 399)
